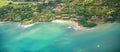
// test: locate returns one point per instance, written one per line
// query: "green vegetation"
(3, 3)
(88, 13)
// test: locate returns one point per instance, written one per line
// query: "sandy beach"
(70, 22)
(1, 22)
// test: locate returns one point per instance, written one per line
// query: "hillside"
(87, 12)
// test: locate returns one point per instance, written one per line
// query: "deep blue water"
(57, 37)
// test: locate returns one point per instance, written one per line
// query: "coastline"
(57, 21)
(27, 25)
(69, 22)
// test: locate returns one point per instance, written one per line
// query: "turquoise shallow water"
(57, 37)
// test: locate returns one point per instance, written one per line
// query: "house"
(58, 16)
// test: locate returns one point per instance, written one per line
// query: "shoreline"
(57, 21)
(69, 22)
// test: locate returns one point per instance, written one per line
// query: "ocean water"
(58, 37)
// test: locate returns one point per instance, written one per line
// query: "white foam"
(98, 46)
(69, 27)
(75, 28)
(83, 28)
(26, 26)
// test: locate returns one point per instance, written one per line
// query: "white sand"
(1, 22)
(70, 22)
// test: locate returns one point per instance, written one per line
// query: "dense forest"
(87, 12)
